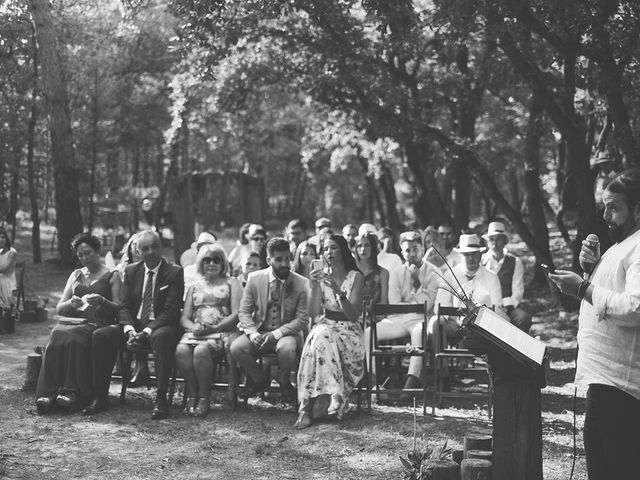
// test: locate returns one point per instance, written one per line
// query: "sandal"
(66, 399)
(304, 420)
(45, 404)
(335, 407)
(191, 405)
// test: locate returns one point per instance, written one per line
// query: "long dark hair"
(373, 244)
(347, 256)
(7, 240)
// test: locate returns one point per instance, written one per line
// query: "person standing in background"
(7, 269)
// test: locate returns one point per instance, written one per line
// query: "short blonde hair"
(212, 250)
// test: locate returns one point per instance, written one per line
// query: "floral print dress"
(211, 303)
(332, 360)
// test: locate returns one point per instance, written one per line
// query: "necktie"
(275, 291)
(147, 298)
(275, 304)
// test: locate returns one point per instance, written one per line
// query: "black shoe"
(160, 410)
(99, 405)
(251, 389)
(288, 392)
(45, 404)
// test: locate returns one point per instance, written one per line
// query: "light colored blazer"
(293, 309)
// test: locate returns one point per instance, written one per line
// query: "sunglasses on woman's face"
(216, 260)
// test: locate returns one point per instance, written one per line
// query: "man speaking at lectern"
(609, 334)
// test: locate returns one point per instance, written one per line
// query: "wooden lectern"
(519, 364)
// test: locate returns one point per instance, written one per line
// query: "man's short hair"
(277, 244)
(627, 183)
(297, 223)
(410, 236)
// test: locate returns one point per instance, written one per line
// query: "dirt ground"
(259, 442)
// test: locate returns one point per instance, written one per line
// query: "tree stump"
(34, 362)
(483, 454)
(457, 455)
(476, 469)
(434, 469)
(477, 441)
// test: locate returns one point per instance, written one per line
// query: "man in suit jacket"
(273, 312)
(149, 316)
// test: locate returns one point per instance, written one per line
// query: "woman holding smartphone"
(332, 361)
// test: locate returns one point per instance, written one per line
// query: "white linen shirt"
(609, 329)
(401, 289)
(484, 288)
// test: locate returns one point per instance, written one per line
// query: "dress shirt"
(609, 329)
(484, 288)
(517, 280)
(402, 290)
(152, 316)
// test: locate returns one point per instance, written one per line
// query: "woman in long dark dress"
(91, 293)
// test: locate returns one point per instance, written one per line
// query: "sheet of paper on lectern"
(494, 324)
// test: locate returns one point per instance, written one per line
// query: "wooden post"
(440, 469)
(476, 469)
(34, 362)
(477, 441)
(517, 430)
(483, 454)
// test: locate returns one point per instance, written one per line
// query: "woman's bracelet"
(582, 289)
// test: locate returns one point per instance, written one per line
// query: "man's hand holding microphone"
(571, 283)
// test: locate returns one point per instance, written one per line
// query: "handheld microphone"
(594, 244)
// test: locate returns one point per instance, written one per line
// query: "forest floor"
(258, 442)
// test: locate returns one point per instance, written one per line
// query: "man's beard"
(282, 273)
(616, 233)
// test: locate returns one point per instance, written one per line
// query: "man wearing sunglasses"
(273, 312)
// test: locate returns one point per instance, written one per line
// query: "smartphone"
(316, 264)
(547, 269)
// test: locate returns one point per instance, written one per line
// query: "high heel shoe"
(305, 420)
(44, 404)
(66, 399)
(191, 405)
(202, 408)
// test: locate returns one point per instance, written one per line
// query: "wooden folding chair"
(456, 361)
(379, 352)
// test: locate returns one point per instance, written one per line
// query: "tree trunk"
(422, 206)
(94, 146)
(391, 201)
(67, 195)
(534, 197)
(15, 186)
(33, 187)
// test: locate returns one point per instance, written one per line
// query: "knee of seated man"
(287, 343)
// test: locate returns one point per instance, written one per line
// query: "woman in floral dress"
(210, 318)
(332, 361)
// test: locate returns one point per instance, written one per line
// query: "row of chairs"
(448, 362)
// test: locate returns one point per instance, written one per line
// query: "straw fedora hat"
(496, 228)
(470, 243)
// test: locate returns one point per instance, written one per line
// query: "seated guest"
(417, 282)
(322, 225)
(210, 319)
(350, 232)
(448, 237)
(296, 233)
(272, 313)
(257, 242)
(92, 293)
(190, 271)
(304, 255)
(389, 256)
(376, 278)
(242, 247)
(150, 316)
(478, 283)
(250, 263)
(332, 361)
(433, 247)
(510, 271)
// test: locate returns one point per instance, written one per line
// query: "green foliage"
(413, 464)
